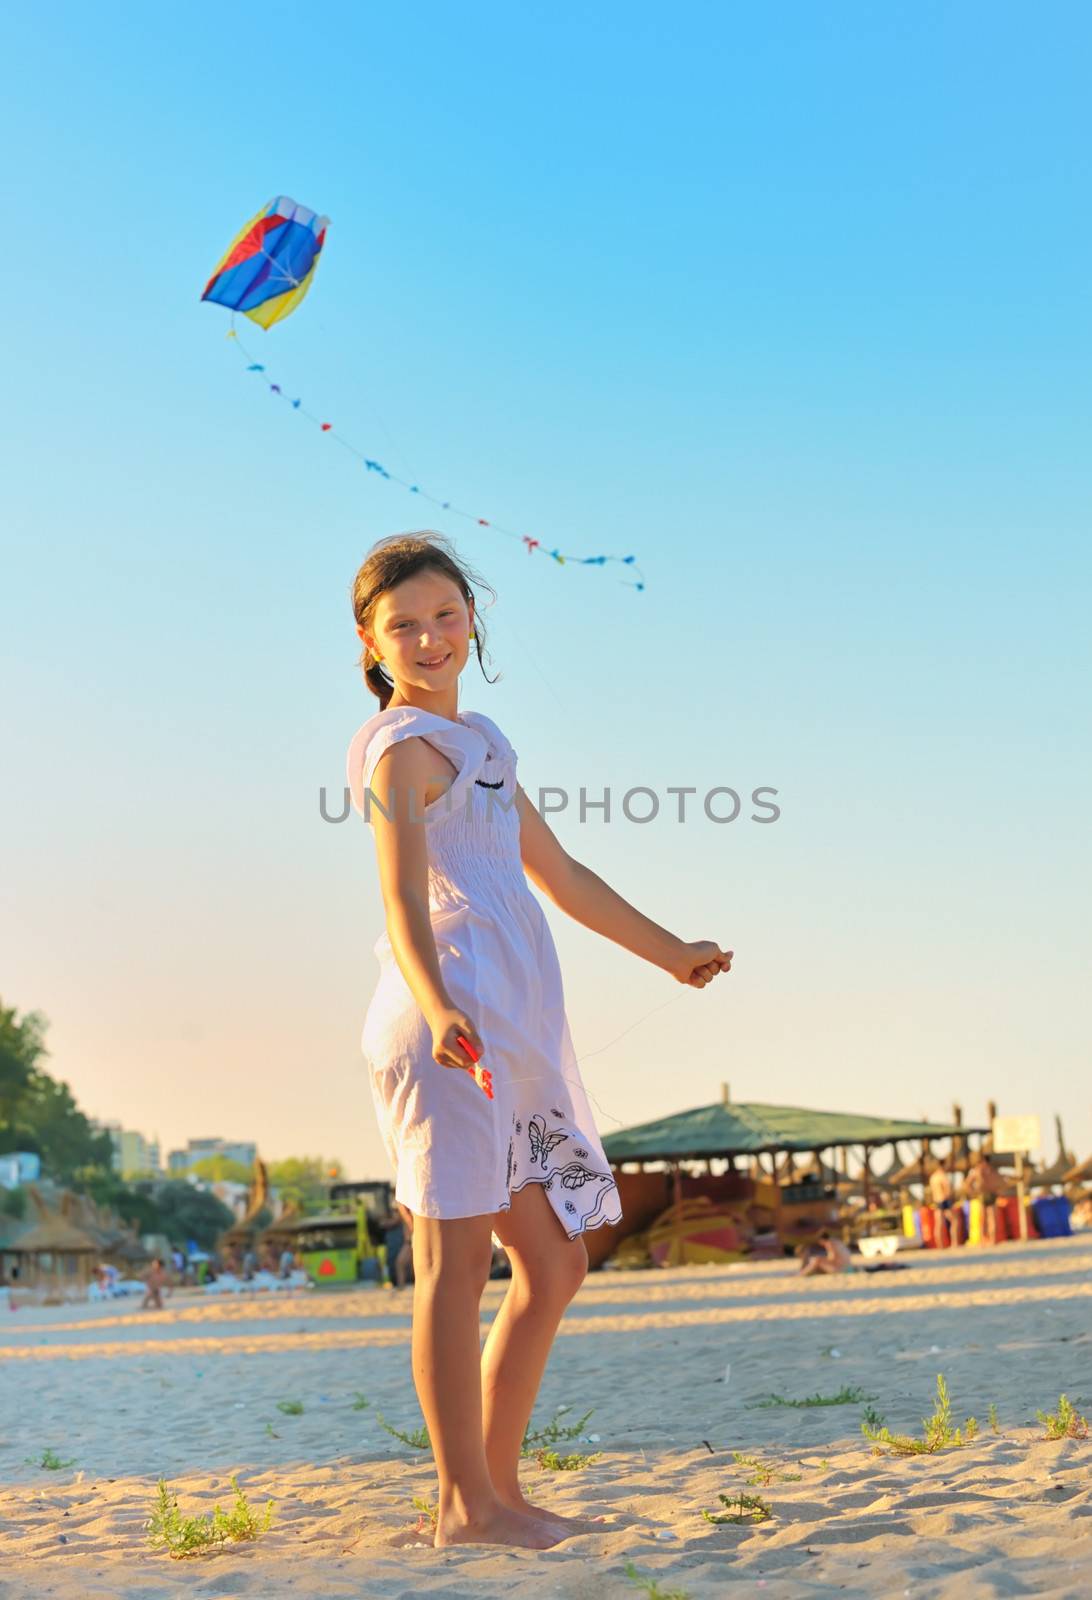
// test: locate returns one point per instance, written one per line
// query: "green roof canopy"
(746, 1129)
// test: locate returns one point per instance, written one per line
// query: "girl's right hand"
(445, 1047)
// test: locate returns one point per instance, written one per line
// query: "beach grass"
(848, 1396)
(49, 1461)
(1065, 1423)
(427, 1512)
(554, 1431)
(651, 1587)
(553, 1462)
(741, 1509)
(182, 1536)
(763, 1473)
(417, 1440)
(939, 1433)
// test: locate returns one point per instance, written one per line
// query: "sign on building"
(1011, 1134)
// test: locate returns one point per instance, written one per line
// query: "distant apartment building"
(21, 1166)
(203, 1149)
(133, 1156)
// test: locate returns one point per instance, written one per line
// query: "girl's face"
(424, 620)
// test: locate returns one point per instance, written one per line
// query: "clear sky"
(789, 301)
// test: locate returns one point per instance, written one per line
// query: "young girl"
(468, 952)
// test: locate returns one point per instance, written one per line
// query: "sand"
(673, 1364)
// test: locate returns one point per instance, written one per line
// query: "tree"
(190, 1213)
(39, 1113)
(304, 1181)
(133, 1203)
(20, 1046)
(221, 1169)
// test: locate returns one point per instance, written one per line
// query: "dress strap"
(464, 746)
(502, 747)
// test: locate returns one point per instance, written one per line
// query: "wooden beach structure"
(778, 1174)
(55, 1256)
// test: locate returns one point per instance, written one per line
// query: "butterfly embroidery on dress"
(541, 1141)
(574, 1176)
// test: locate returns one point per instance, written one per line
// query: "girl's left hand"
(699, 963)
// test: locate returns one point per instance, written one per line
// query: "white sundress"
(455, 1152)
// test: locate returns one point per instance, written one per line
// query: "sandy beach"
(676, 1365)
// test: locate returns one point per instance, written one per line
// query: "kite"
(269, 265)
(265, 273)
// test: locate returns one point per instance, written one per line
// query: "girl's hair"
(388, 564)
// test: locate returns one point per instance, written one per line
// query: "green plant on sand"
(50, 1461)
(291, 1408)
(763, 1473)
(417, 1440)
(741, 1509)
(553, 1432)
(558, 1463)
(1065, 1423)
(939, 1433)
(183, 1536)
(427, 1512)
(652, 1588)
(848, 1396)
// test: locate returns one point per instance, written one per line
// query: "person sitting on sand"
(982, 1183)
(155, 1278)
(826, 1255)
(945, 1208)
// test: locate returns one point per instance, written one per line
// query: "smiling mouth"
(433, 666)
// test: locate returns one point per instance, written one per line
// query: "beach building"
(243, 1152)
(134, 1156)
(19, 1167)
(731, 1181)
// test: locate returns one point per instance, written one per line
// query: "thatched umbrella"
(67, 1249)
(1047, 1176)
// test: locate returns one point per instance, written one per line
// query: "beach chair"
(226, 1283)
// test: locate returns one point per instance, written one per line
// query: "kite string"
(534, 1076)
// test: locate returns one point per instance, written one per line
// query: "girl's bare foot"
(502, 1525)
(570, 1524)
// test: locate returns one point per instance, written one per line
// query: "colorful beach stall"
(747, 1180)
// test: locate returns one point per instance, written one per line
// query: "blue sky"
(789, 302)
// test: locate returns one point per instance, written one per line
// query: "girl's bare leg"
(451, 1265)
(547, 1269)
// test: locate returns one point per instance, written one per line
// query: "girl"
(467, 953)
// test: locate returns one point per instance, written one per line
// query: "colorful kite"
(269, 265)
(265, 274)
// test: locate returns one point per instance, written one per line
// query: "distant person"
(826, 1255)
(982, 1183)
(250, 1262)
(398, 1239)
(155, 1280)
(287, 1264)
(942, 1195)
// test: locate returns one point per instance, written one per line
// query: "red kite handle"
(481, 1075)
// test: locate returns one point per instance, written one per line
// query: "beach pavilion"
(775, 1161)
(54, 1255)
